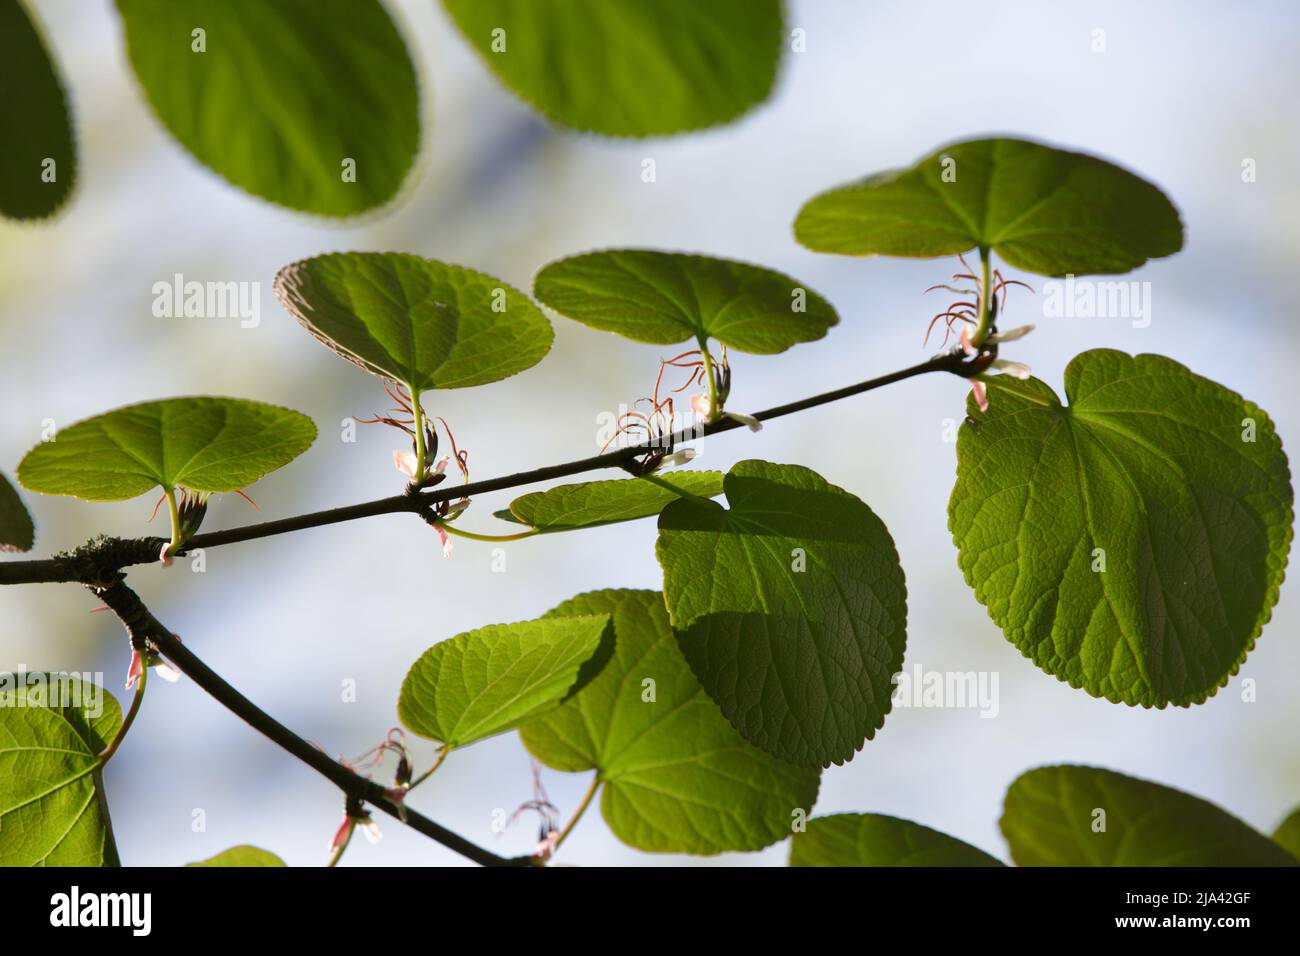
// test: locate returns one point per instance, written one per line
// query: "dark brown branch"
(144, 627)
(100, 560)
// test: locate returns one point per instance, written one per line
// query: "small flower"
(446, 541)
(1019, 332)
(980, 391)
(546, 847)
(165, 555)
(700, 404)
(342, 834)
(675, 459)
(135, 669)
(1015, 369)
(370, 829)
(405, 462)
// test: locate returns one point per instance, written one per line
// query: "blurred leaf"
(204, 444)
(677, 777)
(591, 503)
(1175, 486)
(17, 533)
(790, 607)
(1043, 210)
(1288, 834)
(1084, 816)
(666, 297)
(872, 839)
(288, 97)
(490, 680)
(415, 321)
(52, 810)
(35, 123)
(242, 856)
(627, 67)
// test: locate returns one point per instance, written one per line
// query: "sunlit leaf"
(204, 444)
(17, 533)
(1085, 816)
(1287, 835)
(676, 776)
(423, 323)
(627, 67)
(591, 503)
(790, 606)
(52, 807)
(311, 104)
(38, 161)
(1132, 542)
(873, 839)
(1041, 209)
(490, 680)
(667, 297)
(242, 856)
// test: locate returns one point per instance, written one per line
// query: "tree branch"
(143, 626)
(99, 561)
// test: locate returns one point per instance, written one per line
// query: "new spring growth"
(188, 509)
(977, 311)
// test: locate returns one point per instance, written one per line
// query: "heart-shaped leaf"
(422, 323)
(17, 533)
(242, 856)
(1041, 209)
(204, 444)
(53, 728)
(677, 777)
(1085, 816)
(626, 67)
(790, 607)
(311, 104)
(873, 839)
(488, 681)
(1287, 835)
(591, 503)
(38, 163)
(668, 297)
(1133, 542)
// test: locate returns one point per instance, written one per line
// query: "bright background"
(1182, 94)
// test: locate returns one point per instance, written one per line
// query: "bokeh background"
(1183, 93)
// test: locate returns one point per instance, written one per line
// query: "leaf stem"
(986, 302)
(417, 424)
(1001, 382)
(175, 513)
(707, 359)
(437, 762)
(134, 709)
(475, 536)
(577, 814)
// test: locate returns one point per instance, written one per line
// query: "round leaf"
(1133, 542)
(38, 164)
(677, 777)
(591, 503)
(423, 323)
(1041, 209)
(488, 681)
(667, 297)
(790, 607)
(872, 839)
(204, 444)
(52, 812)
(242, 856)
(626, 67)
(17, 533)
(1054, 816)
(311, 104)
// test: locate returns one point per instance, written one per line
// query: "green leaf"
(591, 503)
(677, 777)
(790, 607)
(204, 444)
(1287, 835)
(667, 297)
(873, 839)
(35, 122)
(1054, 816)
(311, 104)
(1041, 209)
(242, 856)
(626, 67)
(1174, 485)
(52, 807)
(488, 681)
(423, 323)
(17, 533)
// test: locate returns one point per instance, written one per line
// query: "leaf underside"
(589, 504)
(242, 856)
(873, 839)
(1145, 474)
(17, 533)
